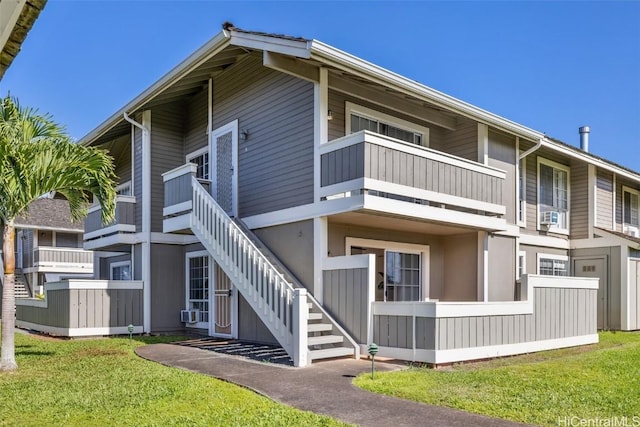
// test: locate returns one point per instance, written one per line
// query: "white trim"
(116, 228)
(483, 266)
(521, 170)
(483, 144)
(173, 239)
(545, 241)
(197, 153)
(540, 255)
(345, 262)
(320, 252)
(186, 169)
(285, 46)
(403, 190)
(522, 254)
(210, 291)
(564, 168)
(231, 127)
(146, 218)
(119, 264)
(320, 125)
(592, 200)
(176, 223)
(94, 284)
(625, 225)
(180, 207)
(44, 227)
(613, 205)
(413, 149)
(395, 246)
(119, 199)
(371, 114)
(78, 332)
(126, 184)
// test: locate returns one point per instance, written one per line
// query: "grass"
(597, 381)
(102, 382)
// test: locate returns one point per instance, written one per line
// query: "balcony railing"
(124, 219)
(369, 163)
(62, 259)
(178, 195)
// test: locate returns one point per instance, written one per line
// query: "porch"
(98, 235)
(75, 308)
(552, 312)
(56, 259)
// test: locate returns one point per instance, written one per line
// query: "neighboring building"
(49, 247)
(16, 19)
(277, 189)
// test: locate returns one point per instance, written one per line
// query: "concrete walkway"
(323, 388)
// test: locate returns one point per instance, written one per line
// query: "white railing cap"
(186, 169)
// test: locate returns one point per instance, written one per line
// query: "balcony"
(68, 260)
(177, 198)
(121, 231)
(366, 171)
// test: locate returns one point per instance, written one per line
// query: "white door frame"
(233, 128)
(188, 256)
(233, 306)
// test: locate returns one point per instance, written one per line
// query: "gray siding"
(67, 240)
(61, 256)
(463, 142)
(105, 265)
(276, 162)
(293, 245)
(531, 254)
(345, 299)
(579, 222)
(122, 158)
(166, 153)
(460, 268)
(604, 199)
(502, 155)
(250, 326)
(167, 287)
(196, 121)
(178, 190)
(389, 165)
(393, 331)
(86, 308)
(502, 268)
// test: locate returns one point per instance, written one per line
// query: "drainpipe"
(146, 215)
(532, 149)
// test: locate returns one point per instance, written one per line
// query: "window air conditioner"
(189, 316)
(549, 218)
(633, 231)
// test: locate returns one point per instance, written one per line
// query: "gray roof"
(49, 213)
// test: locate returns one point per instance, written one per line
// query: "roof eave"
(209, 49)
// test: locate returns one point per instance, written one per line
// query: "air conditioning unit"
(549, 218)
(189, 316)
(633, 231)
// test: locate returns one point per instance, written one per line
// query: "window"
(402, 276)
(198, 279)
(120, 270)
(553, 196)
(631, 211)
(522, 264)
(363, 118)
(553, 265)
(124, 189)
(201, 159)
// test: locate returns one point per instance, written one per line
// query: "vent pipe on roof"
(584, 137)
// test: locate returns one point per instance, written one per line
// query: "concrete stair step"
(327, 353)
(319, 327)
(324, 339)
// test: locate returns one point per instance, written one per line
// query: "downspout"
(532, 149)
(146, 219)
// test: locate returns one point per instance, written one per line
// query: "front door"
(223, 312)
(224, 142)
(596, 267)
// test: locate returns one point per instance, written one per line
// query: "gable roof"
(53, 214)
(201, 65)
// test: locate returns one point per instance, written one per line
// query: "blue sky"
(552, 66)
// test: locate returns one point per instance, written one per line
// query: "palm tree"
(37, 157)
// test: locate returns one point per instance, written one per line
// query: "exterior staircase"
(299, 323)
(21, 286)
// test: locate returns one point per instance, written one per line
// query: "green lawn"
(102, 382)
(601, 380)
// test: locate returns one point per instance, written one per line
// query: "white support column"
(625, 300)
(592, 213)
(320, 126)
(613, 205)
(320, 252)
(483, 144)
(483, 266)
(300, 332)
(146, 218)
